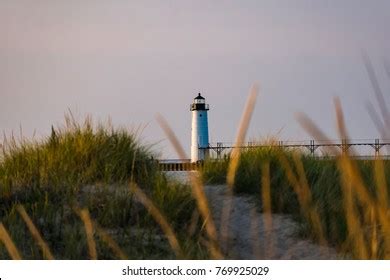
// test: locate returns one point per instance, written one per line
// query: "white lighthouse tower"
(199, 129)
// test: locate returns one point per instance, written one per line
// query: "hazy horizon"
(129, 60)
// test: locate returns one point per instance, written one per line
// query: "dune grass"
(94, 192)
(74, 155)
(68, 197)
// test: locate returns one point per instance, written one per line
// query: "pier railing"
(373, 148)
(311, 146)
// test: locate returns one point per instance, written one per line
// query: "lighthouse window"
(199, 101)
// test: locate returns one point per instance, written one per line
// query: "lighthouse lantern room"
(199, 129)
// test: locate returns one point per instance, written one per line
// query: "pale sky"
(129, 60)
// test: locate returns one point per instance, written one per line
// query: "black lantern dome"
(199, 104)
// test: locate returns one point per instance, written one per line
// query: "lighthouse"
(199, 129)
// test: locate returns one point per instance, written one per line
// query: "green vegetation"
(338, 201)
(95, 192)
(88, 169)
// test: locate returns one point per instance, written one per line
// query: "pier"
(311, 146)
(179, 165)
(219, 150)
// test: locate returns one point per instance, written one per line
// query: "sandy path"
(249, 238)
